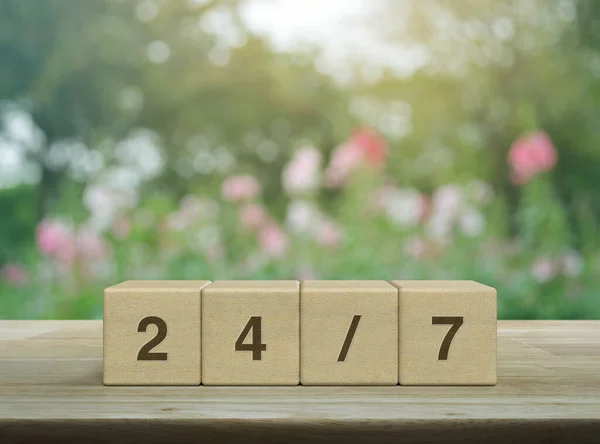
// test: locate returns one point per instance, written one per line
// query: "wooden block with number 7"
(250, 333)
(447, 333)
(152, 333)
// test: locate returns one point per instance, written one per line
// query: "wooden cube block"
(250, 333)
(447, 333)
(152, 333)
(348, 333)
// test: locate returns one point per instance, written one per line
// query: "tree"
(199, 89)
(491, 72)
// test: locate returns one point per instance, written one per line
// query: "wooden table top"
(548, 391)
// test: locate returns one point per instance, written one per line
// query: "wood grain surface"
(548, 391)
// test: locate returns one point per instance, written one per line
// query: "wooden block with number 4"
(447, 333)
(152, 333)
(250, 333)
(348, 333)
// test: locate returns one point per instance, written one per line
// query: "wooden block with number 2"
(447, 333)
(152, 333)
(250, 333)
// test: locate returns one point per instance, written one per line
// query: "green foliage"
(17, 225)
(219, 105)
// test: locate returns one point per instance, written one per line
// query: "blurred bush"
(164, 140)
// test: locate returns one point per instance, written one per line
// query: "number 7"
(456, 322)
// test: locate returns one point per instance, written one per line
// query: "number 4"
(255, 347)
(456, 322)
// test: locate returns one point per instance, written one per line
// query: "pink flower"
(301, 216)
(328, 234)
(439, 227)
(252, 216)
(55, 239)
(448, 200)
(405, 207)
(51, 236)
(427, 207)
(379, 198)
(191, 209)
(14, 274)
(415, 247)
(471, 222)
(572, 264)
(344, 160)
(239, 188)
(272, 240)
(543, 270)
(364, 148)
(530, 155)
(372, 146)
(107, 201)
(90, 245)
(301, 174)
(63, 245)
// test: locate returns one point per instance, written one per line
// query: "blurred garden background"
(299, 139)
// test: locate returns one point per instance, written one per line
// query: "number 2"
(456, 322)
(144, 353)
(255, 347)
